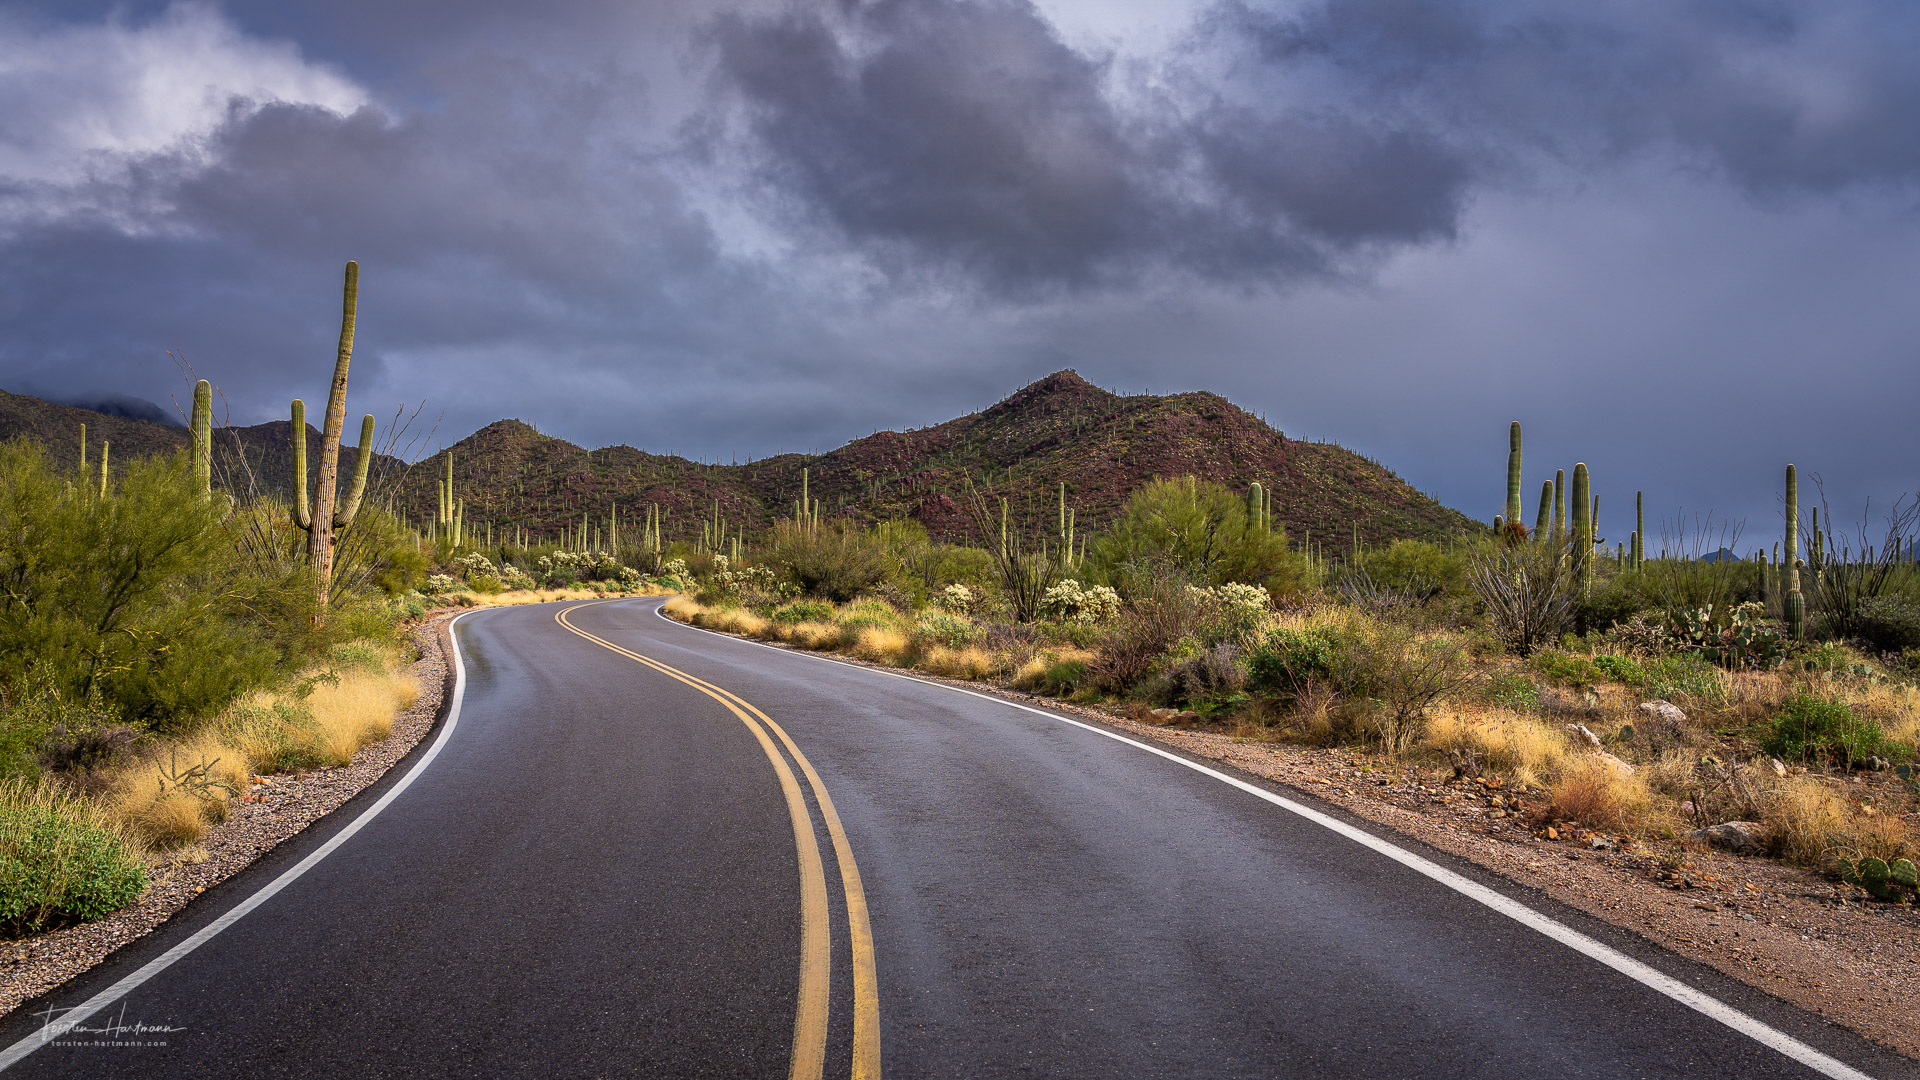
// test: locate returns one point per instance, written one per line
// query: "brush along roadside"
(253, 823)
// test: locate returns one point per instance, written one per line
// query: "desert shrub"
(1070, 601)
(1162, 612)
(1813, 826)
(1572, 669)
(61, 862)
(1511, 690)
(139, 596)
(1528, 591)
(1889, 623)
(275, 736)
(1289, 661)
(1519, 746)
(1809, 729)
(802, 611)
(1062, 677)
(1415, 569)
(1401, 674)
(837, 562)
(957, 598)
(1200, 530)
(1240, 612)
(948, 630)
(1682, 676)
(441, 585)
(1208, 677)
(1621, 669)
(869, 613)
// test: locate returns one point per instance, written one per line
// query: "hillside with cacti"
(510, 478)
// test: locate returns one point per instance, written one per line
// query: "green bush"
(836, 562)
(1198, 529)
(1889, 623)
(1416, 569)
(59, 863)
(1063, 678)
(281, 737)
(1808, 728)
(803, 611)
(1571, 668)
(948, 629)
(1621, 669)
(1289, 660)
(1673, 677)
(1513, 691)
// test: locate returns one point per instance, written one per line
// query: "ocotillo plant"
(1582, 526)
(203, 437)
(325, 517)
(1513, 472)
(1794, 607)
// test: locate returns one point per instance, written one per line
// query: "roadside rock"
(1739, 837)
(1662, 722)
(1581, 733)
(1619, 766)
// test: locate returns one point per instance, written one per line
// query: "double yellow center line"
(816, 950)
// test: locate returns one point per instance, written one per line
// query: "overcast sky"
(1678, 240)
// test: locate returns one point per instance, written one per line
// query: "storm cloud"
(1668, 237)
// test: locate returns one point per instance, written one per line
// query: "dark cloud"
(969, 136)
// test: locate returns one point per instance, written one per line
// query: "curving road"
(639, 849)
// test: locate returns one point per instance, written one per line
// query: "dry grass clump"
(882, 646)
(1599, 793)
(810, 634)
(1509, 743)
(1029, 675)
(967, 663)
(682, 608)
(167, 800)
(731, 620)
(357, 709)
(1812, 825)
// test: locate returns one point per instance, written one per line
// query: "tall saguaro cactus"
(203, 437)
(1582, 525)
(1545, 519)
(1639, 529)
(1559, 504)
(1513, 472)
(325, 516)
(1794, 607)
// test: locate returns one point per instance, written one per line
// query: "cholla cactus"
(1070, 601)
(473, 565)
(441, 584)
(956, 598)
(514, 578)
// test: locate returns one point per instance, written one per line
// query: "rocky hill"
(1060, 429)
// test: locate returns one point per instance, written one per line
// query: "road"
(645, 850)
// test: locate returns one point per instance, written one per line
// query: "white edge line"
(53, 1029)
(1652, 977)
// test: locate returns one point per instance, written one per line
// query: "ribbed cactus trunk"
(1794, 606)
(1513, 472)
(1639, 529)
(1257, 507)
(1559, 504)
(203, 437)
(1544, 519)
(1582, 534)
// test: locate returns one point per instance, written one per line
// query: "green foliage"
(1888, 623)
(948, 629)
(139, 597)
(802, 611)
(283, 735)
(1621, 669)
(1199, 529)
(1510, 690)
(1573, 669)
(1416, 569)
(835, 562)
(1063, 678)
(1808, 728)
(59, 864)
(1674, 677)
(1289, 661)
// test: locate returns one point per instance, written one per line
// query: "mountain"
(1060, 429)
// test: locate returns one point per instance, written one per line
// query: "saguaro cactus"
(325, 516)
(1545, 517)
(1794, 606)
(203, 437)
(1257, 507)
(1582, 525)
(1559, 503)
(1639, 529)
(1513, 472)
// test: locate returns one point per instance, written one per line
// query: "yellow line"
(816, 957)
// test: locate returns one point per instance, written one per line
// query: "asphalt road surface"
(645, 850)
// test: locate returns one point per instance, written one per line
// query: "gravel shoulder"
(270, 814)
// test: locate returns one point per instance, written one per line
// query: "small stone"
(1582, 734)
(1665, 711)
(1779, 769)
(1739, 837)
(1553, 833)
(1619, 766)
(1600, 843)
(1496, 813)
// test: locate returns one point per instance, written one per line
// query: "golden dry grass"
(147, 799)
(882, 646)
(810, 635)
(358, 709)
(1028, 675)
(1813, 825)
(682, 608)
(731, 621)
(1511, 744)
(967, 663)
(1598, 793)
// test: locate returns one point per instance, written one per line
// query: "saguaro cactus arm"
(297, 435)
(363, 456)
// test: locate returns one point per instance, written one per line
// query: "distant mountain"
(131, 408)
(1060, 429)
